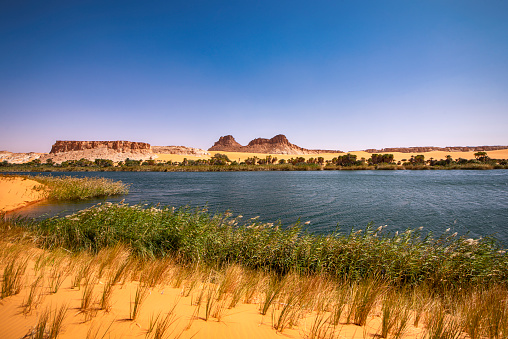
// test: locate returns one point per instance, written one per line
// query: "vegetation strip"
(318, 305)
(72, 188)
(196, 236)
(221, 163)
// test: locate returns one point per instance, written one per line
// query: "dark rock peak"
(228, 141)
(279, 144)
(276, 140)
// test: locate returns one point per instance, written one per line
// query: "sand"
(398, 156)
(242, 321)
(17, 192)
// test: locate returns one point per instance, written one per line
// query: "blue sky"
(345, 75)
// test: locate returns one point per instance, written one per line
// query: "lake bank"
(464, 201)
(17, 192)
(190, 273)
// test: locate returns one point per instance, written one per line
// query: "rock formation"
(431, 148)
(181, 150)
(279, 144)
(226, 142)
(119, 146)
(19, 158)
(119, 150)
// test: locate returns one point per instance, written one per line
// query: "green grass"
(196, 236)
(71, 188)
(249, 168)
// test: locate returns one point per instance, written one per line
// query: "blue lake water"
(465, 201)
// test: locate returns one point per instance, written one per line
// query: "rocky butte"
(119, 146)
(279, 144)
(118, 150)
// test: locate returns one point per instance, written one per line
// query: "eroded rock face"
(181, 150)
(226, 142)
(279, 144)
(19, 158)
(431, 148)
(119, 146)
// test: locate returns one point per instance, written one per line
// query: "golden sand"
(17, 192)
(242, 321)
(398, 156)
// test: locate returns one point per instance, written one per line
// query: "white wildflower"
(470, 242)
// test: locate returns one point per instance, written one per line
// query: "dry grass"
(330, 304)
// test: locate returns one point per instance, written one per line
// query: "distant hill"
(279, 144)
(431, 149)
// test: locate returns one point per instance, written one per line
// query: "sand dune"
(17, 192)
(398, 156)
(187, 320)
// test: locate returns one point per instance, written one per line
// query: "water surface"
(465, 201)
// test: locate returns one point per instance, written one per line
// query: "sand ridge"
(18, 192)
(398, 156)
(187, 320)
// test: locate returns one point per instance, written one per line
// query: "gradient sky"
(344, 75)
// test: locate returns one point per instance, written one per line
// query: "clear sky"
(344, 75)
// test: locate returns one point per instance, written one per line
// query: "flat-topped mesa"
(433, 149)
(279, 144)
(119, 146)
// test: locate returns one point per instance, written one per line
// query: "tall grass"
(328, 303)
(71, 188)
(196, 236)
(12, 279)
(446, 284)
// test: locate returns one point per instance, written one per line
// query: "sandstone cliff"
(119, 146)
(431, 148)
(279, 144)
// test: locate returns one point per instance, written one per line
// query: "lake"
(465, 201)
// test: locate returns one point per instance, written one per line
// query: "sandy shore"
(17, 192)
(398, 156)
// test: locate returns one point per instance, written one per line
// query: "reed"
(49, 324)
(364, 296)
(210, 300)
(272, 291)
(288, 314)
(72, 188)
(447, 284)
(139, 298)
(195, 236)
(56, 278)
(12, 280)
(34, 295)
(94, 333)
(341, 298)
(56, 323)
(322, 328)
(442, 325)
(88, 298)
